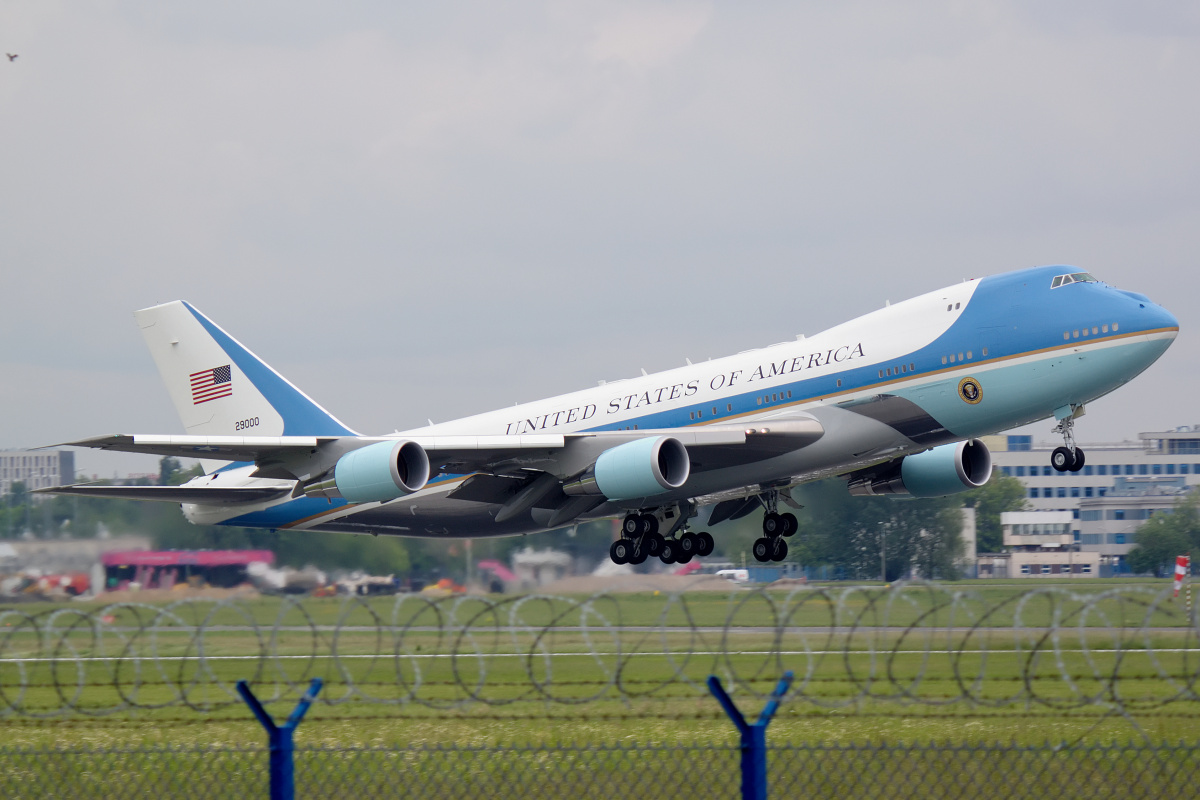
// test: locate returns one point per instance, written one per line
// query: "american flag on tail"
(211, 384)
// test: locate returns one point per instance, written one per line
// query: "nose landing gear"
(1068, 458)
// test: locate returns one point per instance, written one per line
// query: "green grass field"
(1001, 662)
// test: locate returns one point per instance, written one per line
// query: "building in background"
(1039, 543)
(37, 469)
(1121, 485)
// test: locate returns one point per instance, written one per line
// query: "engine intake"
(944, 470)
(376, 473)
(641, 468)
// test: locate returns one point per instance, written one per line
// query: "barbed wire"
(1121, 650)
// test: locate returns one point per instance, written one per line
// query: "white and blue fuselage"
(969, 360)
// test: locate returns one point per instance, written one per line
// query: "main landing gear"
(1068, 458)
(776, 526)
(640, 540)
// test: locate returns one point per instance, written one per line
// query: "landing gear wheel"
(1077, 464)
(620, 551)
(762, 549)
(1061, 459)
(652, 543)
(649, 523)
(780, 550)
(790, 523)
(632, 526)
(689, 545)
(706, 544)
(684, 558)
(638, 555)
(667, 553)
(772, 524)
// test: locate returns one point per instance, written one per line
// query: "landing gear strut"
(771, 546)
(1068, 458)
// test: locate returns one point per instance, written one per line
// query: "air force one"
(893, 401)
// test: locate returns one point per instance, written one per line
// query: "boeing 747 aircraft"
(892, 401)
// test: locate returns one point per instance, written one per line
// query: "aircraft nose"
(1167, 319)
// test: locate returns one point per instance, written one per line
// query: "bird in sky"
(11, 56)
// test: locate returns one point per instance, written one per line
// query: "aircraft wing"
(711, 446)
(174, 494)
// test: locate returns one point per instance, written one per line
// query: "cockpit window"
(1074, 277)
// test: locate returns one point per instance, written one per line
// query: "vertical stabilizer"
(219, 387)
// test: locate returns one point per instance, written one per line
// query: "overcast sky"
(430, 210)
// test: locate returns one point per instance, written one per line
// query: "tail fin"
(219, 387)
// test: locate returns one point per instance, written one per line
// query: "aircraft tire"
(638, 556)
(684, 558)
(620, 550)
(631, 526)
(772, 524)
(667, 553)
(649, 523)
(689, 544)
(762, 549)
(652, 543)
(706, 544)
(1061, 459)
(1078, 463)
(790, 523)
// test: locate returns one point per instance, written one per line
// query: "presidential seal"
(969, 390)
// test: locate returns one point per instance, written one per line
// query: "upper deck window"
(1074, 277)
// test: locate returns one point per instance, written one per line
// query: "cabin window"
(1104, 328)
(1095, 330)
(1114, 327)
(839, 382)
(729, 406)
(714, 411)
(970, 355)
(943, 359)
(1066, 334)
(1075, 334)
(789, 394)
(985, 352)
(958, 305)
(760, 401)
(912, 367)
(949, 308)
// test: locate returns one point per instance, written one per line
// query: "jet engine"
(635, 469)
(376, 473)
(944, 470)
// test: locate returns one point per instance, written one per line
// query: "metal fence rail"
(687, 772)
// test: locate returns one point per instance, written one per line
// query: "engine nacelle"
(376, 473)
(640, 468)
(948, 469)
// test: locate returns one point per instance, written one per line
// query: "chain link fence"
(686, 772)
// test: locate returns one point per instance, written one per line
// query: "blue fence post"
(280, 738)
(754, 737)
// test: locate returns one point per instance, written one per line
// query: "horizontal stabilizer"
(173, 494)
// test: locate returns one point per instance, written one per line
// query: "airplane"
(894, 402)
